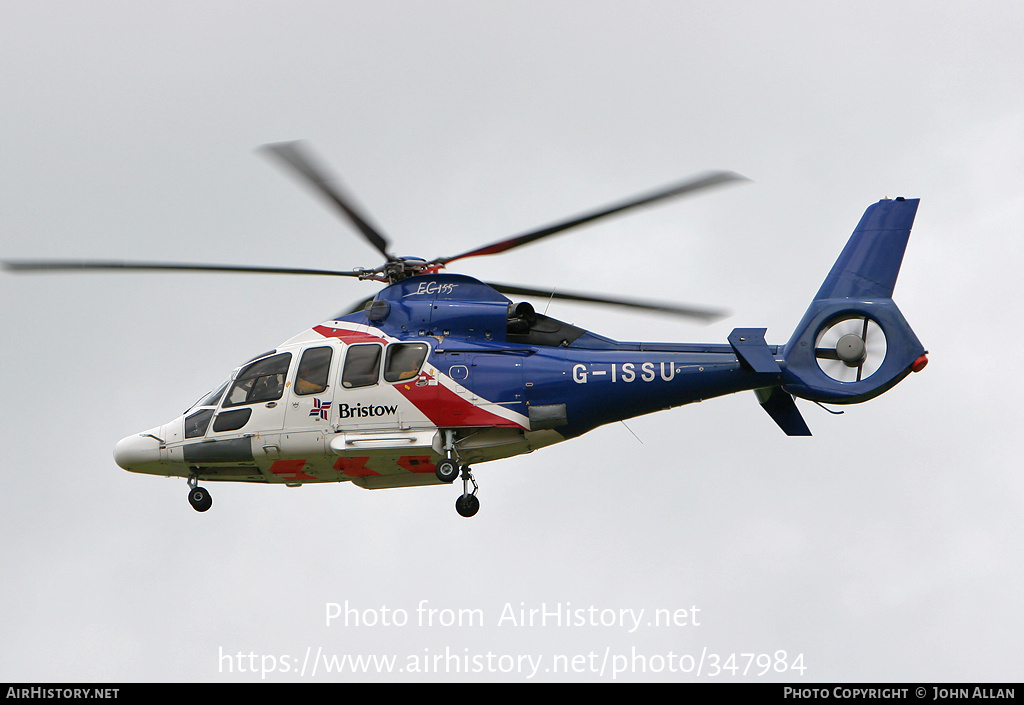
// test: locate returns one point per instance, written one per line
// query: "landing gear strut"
(448, 469)
(198, 497)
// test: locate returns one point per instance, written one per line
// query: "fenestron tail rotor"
(850, 349)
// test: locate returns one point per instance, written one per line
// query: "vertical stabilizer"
(870, 262)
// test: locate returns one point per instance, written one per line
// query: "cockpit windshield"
(214, 397)
(262, 380)
(211, 399)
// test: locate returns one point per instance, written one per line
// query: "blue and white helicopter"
(440, 372)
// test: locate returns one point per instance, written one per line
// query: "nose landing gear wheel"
(467, 505)
(200, 499)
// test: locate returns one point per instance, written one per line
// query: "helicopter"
(439, 372)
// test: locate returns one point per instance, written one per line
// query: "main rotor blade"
(98, 265)
(695, 184)
(292, 154)
(707, 315)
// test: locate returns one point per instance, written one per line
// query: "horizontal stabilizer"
(749, 345)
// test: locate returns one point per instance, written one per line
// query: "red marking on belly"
(354, 467)
(290, 470)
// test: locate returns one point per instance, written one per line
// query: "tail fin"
(853, 343)
(870, 262)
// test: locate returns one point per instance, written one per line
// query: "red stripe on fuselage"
(448, 409)
(348, 336)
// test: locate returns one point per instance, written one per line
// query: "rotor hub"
(851, 350)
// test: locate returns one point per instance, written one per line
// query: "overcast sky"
(884, 548)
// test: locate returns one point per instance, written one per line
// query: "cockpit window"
(263, 380)
(362, 366)
(404, 361)
(195, 425)
(313, 370)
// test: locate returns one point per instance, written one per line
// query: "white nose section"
(136, 452)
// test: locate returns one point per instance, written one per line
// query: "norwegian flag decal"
(320, 408)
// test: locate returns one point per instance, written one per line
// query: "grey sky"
(885, 547)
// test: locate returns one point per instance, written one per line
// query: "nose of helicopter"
(137, 452)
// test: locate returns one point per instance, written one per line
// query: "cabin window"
(404, 361)
(263, 380)
(362, 366)
(314, 367)
(232, 420)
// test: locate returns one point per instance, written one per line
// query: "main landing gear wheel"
(467, 505)
(446, 471)
(200, 499)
